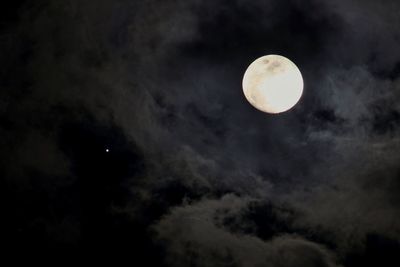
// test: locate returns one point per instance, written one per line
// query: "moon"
(273, 84)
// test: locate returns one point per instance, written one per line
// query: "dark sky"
(194, 175)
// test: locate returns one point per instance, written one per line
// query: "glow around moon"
(273, 84)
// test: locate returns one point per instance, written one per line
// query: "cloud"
(192, 237)
(163, 79)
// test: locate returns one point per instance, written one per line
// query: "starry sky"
(125, 135)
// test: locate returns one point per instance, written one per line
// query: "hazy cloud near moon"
(161, 81)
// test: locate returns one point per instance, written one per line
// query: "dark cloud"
(195, 239)
(195, 176)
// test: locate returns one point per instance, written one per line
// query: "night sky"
(126, 137)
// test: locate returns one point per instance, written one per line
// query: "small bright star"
(107, 150)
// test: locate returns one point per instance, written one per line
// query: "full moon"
(273, 84)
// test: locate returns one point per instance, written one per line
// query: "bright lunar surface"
(273, 84)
